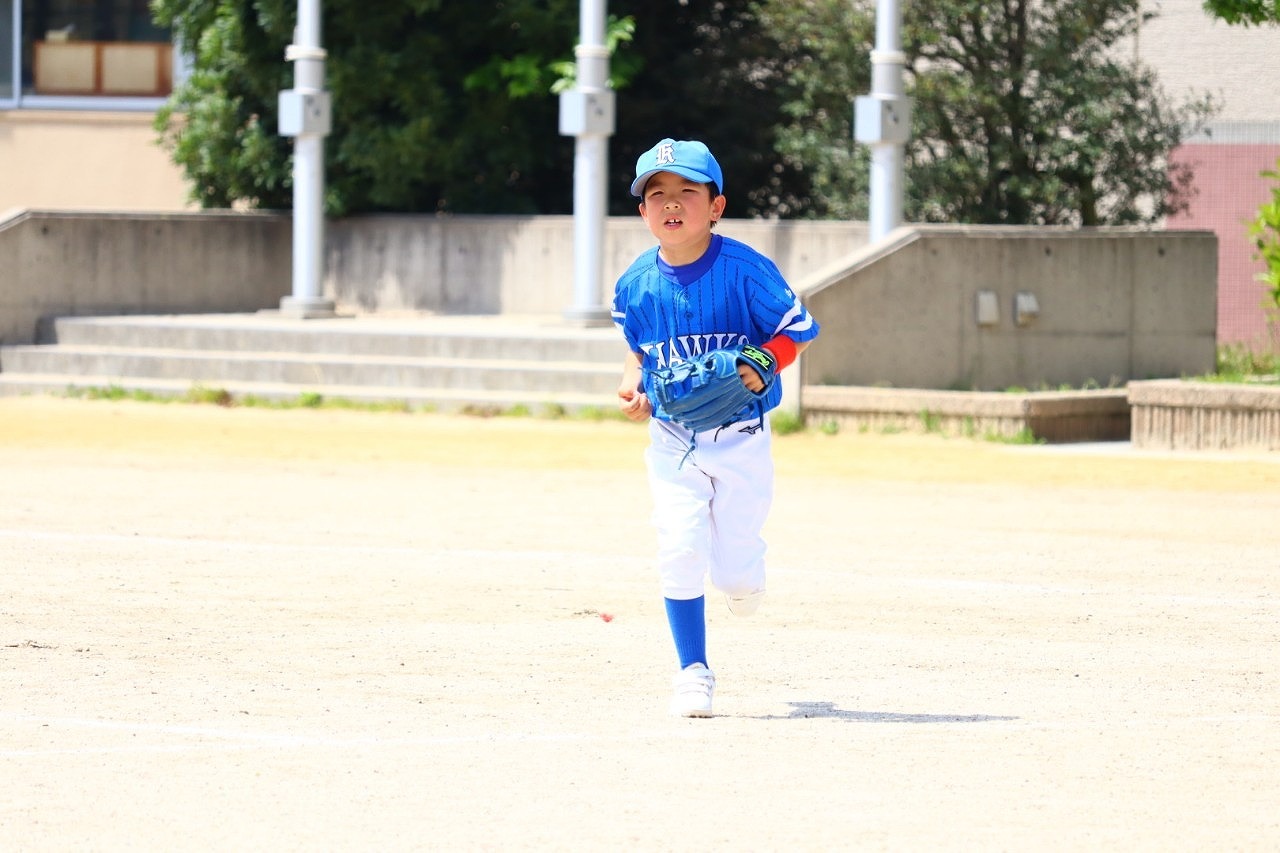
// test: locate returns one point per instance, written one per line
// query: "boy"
(693, 293)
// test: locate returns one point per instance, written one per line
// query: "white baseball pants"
(709, 511)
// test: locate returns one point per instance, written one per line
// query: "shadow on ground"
(813, 710)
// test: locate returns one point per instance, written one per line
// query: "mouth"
(672, 222)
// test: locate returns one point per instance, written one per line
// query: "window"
(91, 49)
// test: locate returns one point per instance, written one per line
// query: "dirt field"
(313, 630)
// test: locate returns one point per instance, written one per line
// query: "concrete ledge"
(1053, 416)
(1174, 414)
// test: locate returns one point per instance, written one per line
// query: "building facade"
(1194, 53)
(80, 82)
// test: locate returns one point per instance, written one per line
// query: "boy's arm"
(631, 401)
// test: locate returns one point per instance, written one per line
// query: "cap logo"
(666, 154)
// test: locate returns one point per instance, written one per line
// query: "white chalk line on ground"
(232, 740)
(214, 739)
(205, 543)
(1262, 600)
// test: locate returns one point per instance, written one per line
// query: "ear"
(717, 207)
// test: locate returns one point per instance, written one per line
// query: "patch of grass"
(1239, 363)
(785, 422)
(931, 421)
(477, 410)
(208, 396)
(1089, 384)
(830, 427)
(114, 393)
(1022, 436)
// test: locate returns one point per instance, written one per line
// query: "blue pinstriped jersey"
(732, 295)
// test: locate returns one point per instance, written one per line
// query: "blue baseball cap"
(685, 157)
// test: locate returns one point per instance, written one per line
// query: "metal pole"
(305, 115)
(883, 121)
(586, 113)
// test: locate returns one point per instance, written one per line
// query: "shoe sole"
(695, 713)
(744, 605)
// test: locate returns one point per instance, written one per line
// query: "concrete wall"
(522, 264)
(1114, 305)
(66, 264)
(86, 161)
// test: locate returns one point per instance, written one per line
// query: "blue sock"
(689, 629)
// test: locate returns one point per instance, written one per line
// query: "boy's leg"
(682, 515)
(682, 495)
(688, 621)
(741, 466)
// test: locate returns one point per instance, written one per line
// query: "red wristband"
(783, 349)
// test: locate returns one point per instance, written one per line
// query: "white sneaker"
(694, 687)
(744, 605)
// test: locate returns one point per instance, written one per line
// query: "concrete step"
(213, 367)
(519, 338)
(492, 362)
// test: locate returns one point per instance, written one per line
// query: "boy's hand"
(634, 405)
(750, 378)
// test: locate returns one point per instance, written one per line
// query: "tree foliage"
(437, 106)
(1034, 113)
(1245, 12)
(1025, 111)
(709, 70)
(821, 48)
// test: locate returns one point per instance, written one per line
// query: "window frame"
(10, 99)
(18, 99)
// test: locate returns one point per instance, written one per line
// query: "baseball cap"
(685, 157)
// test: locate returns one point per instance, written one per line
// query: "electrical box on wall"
(1026, 308)
(879, 119)
(583, 113)
(306, 113)
(987, 308)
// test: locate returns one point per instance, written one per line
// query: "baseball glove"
(706, 392)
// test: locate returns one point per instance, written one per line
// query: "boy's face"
(679, 212)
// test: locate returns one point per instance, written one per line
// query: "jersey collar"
(689, 273)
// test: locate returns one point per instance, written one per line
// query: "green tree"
(1245, 12)
(1034, 113)
(1025, 112)
(821, 53)
(437, 106)
(709, 70)
(451, 107)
